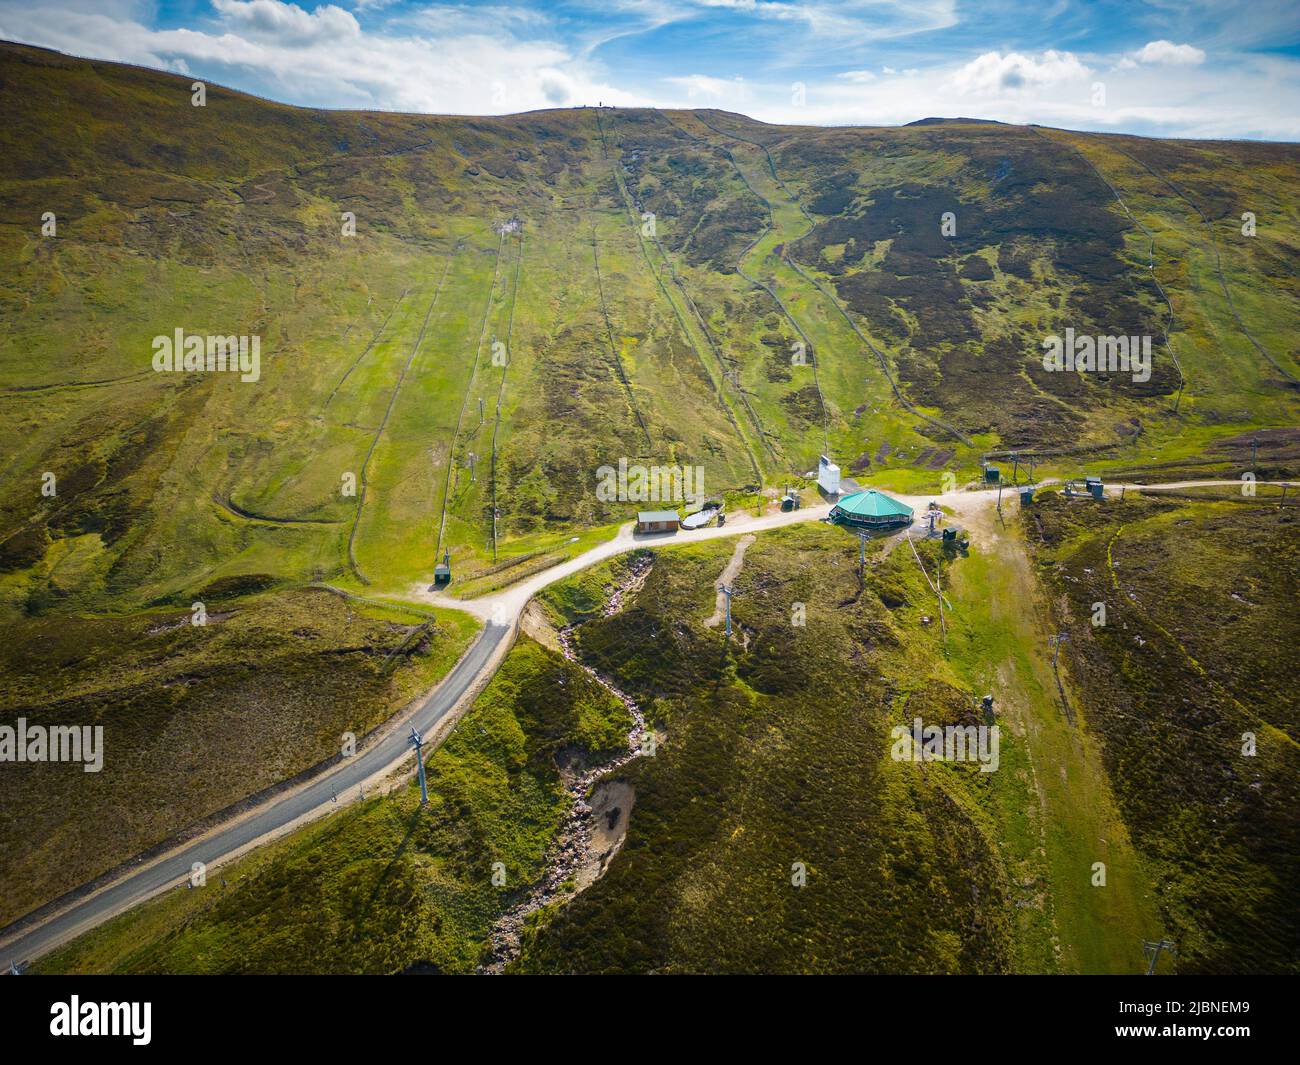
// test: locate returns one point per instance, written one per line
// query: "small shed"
(992, 475)
(1095, 487)
(657, 521)
(1026, 495)
(442, 571)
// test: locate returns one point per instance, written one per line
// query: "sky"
(1153, 67)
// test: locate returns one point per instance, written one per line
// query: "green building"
(871, 510)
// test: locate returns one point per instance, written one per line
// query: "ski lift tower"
(417, 741)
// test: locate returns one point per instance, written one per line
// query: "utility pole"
(472, 459)
(728, 591)
(1153, 952)
(417, 741)
(862, 555)
(999, 495)
(1254, 451)
(1056, 641)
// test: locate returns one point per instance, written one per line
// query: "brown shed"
(657, 521)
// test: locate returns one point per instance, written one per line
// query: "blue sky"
(1161, 67)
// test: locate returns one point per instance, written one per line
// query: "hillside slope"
(589, 332)
(460, 320)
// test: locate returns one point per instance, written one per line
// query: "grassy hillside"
(581, 336)
(195, 718)
(384, 885)
(1052, 230)
(1190, 682)
(526, 299)
(772, 750)
(776, 750)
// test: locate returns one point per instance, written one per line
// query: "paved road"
(509, 602)
(174, 868)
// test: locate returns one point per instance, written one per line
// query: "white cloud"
(701, 85)
(994, 73)
(1166, 52)
(286, 24)
(1149, 100)
(515, 55)
(324, 57)
(848, 22)
(459, 18)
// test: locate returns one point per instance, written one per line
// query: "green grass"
(1061, 812)
(776, 751)
(1197, 650)
(534, 554)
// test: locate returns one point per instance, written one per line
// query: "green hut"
(871, 510)
(442, 571)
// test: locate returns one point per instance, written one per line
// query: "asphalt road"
(174, 869)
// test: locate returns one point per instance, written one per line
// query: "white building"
(828, 476)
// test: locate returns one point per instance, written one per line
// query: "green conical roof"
(873, 504)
